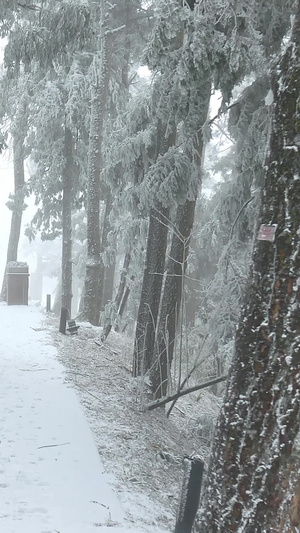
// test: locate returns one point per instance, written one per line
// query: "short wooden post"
(64, 315)
(48, 303)
(190, 494)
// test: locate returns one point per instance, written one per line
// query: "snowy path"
(51, 476)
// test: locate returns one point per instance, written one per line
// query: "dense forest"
(162, 141)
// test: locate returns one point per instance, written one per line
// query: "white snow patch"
(288, 360)
(51, 475)
(269, 99)
(291, 147)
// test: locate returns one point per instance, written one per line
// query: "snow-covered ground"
(52, 479)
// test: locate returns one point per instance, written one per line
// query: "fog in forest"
(156, 197)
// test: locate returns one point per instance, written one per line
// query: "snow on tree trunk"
(172, 295)
(163, 345)
(67, 201)
(151, 290)
(249, 481)
(120, 293)
(99, 97)
(17, 205)
(153, 269)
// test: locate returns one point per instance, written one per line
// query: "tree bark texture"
(67, 202)
(249, 481)
(99, 98)
(172, 295)
(153, 270)
(18, 205)
(163, 347)
(151, 290)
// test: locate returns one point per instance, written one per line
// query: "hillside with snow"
(78, 450)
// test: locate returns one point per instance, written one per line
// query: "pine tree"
(38, 53)
(242, 50)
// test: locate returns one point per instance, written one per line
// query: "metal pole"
(190, 494)
(64, 315)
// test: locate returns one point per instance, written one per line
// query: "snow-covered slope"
(52, 479)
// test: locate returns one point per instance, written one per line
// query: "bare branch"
(32, 7)
(164, 401)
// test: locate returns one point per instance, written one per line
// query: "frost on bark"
(67, 201)
(151, 290)
(171, 304)
(153, 269)
(172, 295)
(17, 205)
(249, 480)
(99, 97)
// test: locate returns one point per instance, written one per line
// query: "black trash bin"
(17, 283)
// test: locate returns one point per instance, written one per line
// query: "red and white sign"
(267, 232)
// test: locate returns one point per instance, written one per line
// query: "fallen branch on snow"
(53, 445)
(163, 401)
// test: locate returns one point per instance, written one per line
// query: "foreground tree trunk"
(17, 205)
(99, 97)
(249, 480)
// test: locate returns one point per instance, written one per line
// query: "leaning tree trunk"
(249, 481)
(17, 206)
(67, 201)
(99, 97)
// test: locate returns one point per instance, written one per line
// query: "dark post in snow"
(48, 303)
(190, 494)
(64, 315)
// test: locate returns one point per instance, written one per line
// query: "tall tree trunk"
(153, 271)
(67, 201)
(99, 98)
(123, 278)
(163, 347)
(172, 295)
(151, 290)
(249, 479)
(17, 206)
